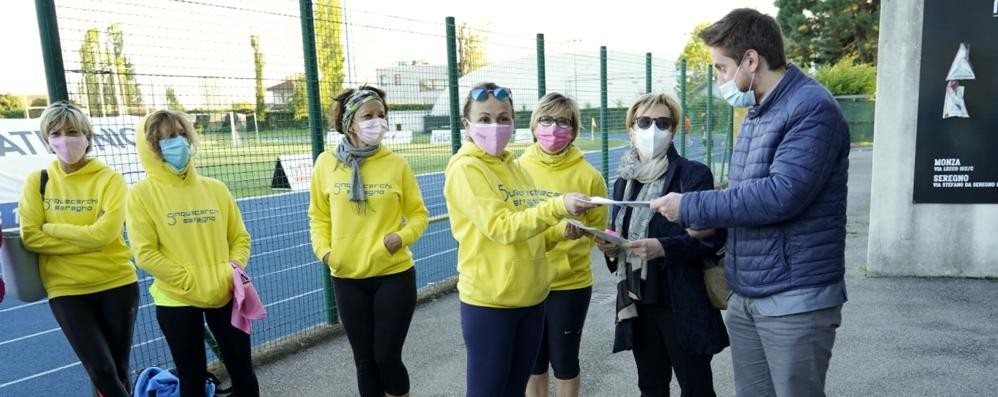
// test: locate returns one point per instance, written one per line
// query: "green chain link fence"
(258, 77)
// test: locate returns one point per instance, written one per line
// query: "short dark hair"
(746, 29)
(339, 106)
(488, 86)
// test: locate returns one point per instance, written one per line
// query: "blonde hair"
(648, 100)
(555, 103)
(165, 120)
(63, 114)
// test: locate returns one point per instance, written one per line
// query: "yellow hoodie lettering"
(192, 216)
(370, 189)
(71, 205)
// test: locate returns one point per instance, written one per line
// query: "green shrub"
(409, 106)
(848, 78)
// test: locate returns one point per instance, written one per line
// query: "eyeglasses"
(547, 121)
(481, 94)
(663, 123)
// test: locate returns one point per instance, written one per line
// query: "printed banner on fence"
(523, 135)
(292, 171)
(441, 137)
(22, 151)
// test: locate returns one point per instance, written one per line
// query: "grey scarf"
(634, 270)
(353, 157)
(631, 166)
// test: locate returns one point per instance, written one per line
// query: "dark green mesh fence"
(239, 70)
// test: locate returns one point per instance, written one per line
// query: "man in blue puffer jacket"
(785, 208)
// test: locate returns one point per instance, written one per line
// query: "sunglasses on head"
(662, 123)
(481, 94)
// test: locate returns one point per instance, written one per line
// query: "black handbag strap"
(45, 181)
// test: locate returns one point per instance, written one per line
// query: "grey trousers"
(780, 355)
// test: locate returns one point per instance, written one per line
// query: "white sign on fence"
(441, 137)
(523, 135)
(334, 138)
(292, 171)
(398, 137)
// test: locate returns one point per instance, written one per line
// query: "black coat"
(679, 273)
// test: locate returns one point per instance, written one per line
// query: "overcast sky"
(381, 33)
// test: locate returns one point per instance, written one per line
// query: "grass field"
(248, 169)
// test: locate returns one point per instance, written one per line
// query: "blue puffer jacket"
(786, 201)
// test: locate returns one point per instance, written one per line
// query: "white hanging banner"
(961, 69)
(22, 151)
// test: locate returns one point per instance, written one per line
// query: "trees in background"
(109, 85)
(822, 32)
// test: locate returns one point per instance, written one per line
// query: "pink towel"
(246, 304)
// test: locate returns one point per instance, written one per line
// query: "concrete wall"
(923, 239)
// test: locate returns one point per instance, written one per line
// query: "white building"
(278, 96)
(413, 83)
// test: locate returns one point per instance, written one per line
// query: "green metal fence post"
(452, 76)
(603, 114)
(708, 132)
(315, 125)
(647, 73)
(682, 105)
(541, 72)
(48, 31)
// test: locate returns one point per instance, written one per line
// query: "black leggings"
(183, 328)
(376, 312)
(99, 327)
(563, 323)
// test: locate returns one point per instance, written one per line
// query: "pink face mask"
(69, 149)
(553, 138)
(372, 131)
(492, 138)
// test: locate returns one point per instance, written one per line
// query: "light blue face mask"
(736, 97)
(176, 152)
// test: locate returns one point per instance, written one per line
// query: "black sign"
(956, 158)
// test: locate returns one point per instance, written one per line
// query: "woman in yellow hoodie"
(186, 230)
(360, 194)
(76, 231)
(503, 226)
(557, 166)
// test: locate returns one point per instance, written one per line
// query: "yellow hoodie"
(354, 241)
(563, 173)
(77, 230)
(184, 229)
(502, 226)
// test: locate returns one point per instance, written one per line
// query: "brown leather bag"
(717, 285)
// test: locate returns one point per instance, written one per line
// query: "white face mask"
(372, 131)
(651, 142)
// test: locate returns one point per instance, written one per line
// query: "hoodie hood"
(93, 166)
(568, 158)
(469, 149)
(156, 169)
